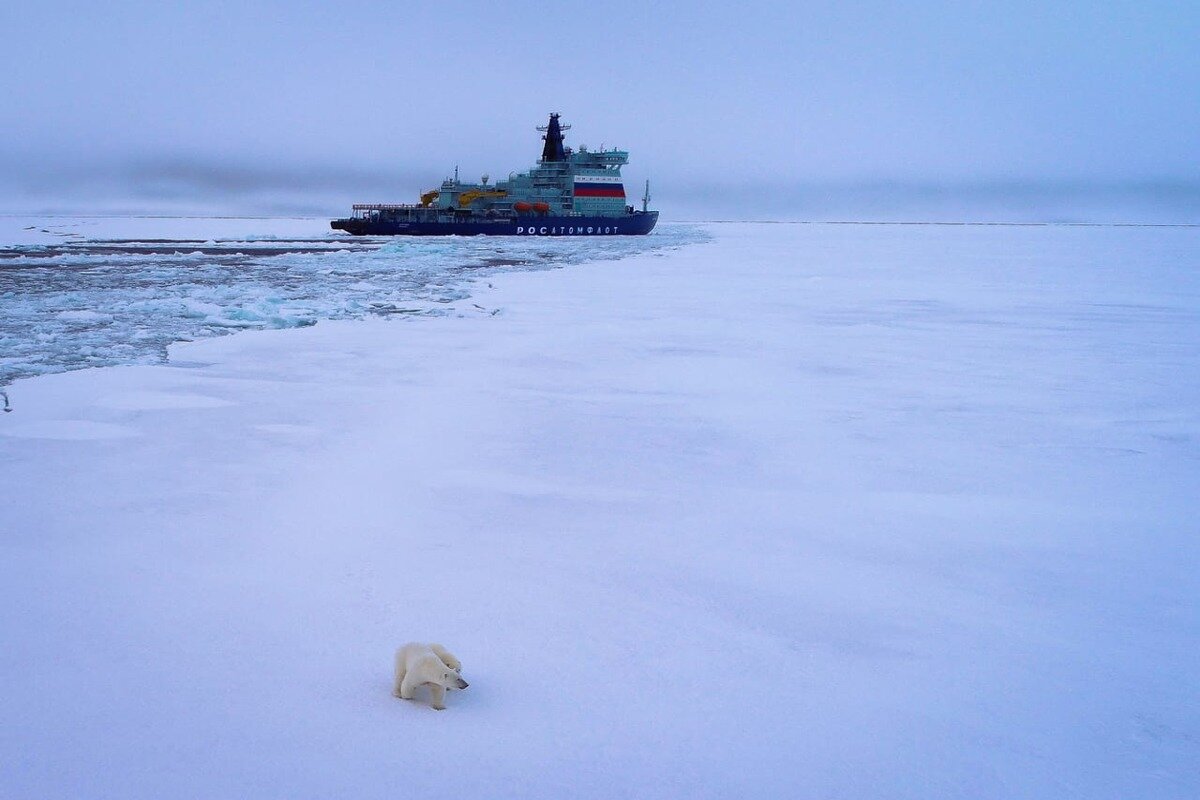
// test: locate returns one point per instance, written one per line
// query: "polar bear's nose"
(462, 684)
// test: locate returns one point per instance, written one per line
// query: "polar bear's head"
(451, 679)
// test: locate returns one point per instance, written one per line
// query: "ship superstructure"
(567, 193)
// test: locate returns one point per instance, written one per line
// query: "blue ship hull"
(636, 224)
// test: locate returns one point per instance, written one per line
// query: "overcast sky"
(161, 97)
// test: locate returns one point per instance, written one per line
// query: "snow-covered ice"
(796, 511)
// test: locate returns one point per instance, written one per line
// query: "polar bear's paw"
(446, 656)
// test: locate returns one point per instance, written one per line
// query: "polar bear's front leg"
(407, 688)
(437, 693)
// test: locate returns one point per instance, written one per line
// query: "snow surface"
(803, 511)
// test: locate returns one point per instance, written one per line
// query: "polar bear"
(427, 665)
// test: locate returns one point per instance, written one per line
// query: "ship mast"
(646, 196)
(553, 151)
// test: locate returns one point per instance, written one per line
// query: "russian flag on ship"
(599, 186)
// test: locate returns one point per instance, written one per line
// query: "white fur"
(427, 665)
(446, 656)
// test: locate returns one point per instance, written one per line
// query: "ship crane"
(466, 198)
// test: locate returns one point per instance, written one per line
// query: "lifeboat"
(521, 207)
(541, 208)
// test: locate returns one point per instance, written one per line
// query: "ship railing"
(366, 207)
(386, 206)
(615, 157)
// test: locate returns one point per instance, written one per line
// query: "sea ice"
(91, 301)
(802, 511)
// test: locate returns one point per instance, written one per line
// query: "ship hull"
(637, 224)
